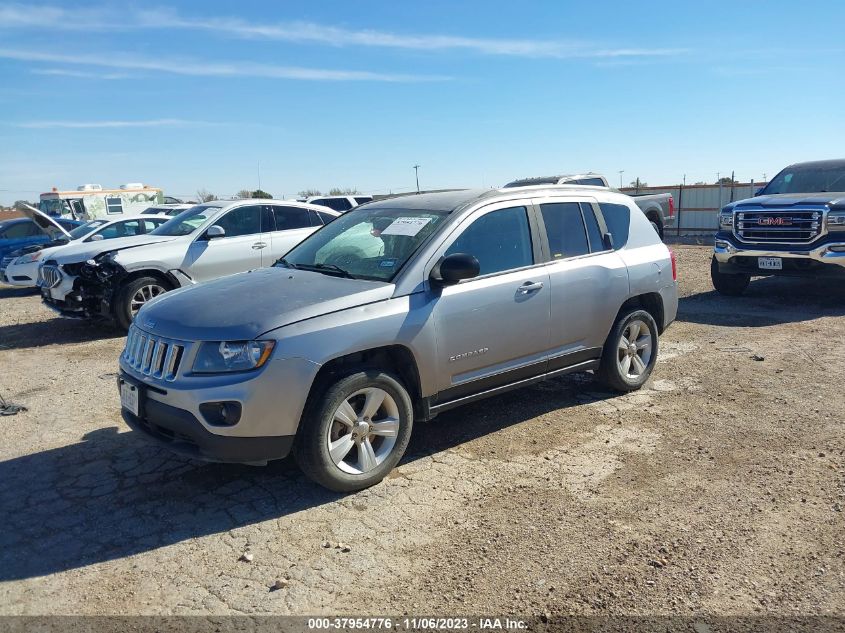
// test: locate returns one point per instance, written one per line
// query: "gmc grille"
(786, 226)
(153, 356)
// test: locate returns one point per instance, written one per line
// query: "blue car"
(19, 233)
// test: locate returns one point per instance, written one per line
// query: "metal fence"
(697, 206)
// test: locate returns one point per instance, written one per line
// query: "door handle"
(259, 245)
(530, 286)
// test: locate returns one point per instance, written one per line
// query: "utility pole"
(417, 174)
(259, 175)
(621, 171)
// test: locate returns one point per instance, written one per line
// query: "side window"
(315, 218)
(338, 204)
(618, 220)
(594, 182)
(499, 240)
(22, 229)
(241, 221)
(114, 205)
(593, 230)
(362, 200)
(326, 217)
(150, 225)
(565, 229)
(291, 218)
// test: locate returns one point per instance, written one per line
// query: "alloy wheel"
(635, 349)
(363, 430)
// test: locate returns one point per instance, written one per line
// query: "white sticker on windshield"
(406, 226)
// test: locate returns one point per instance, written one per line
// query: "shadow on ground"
(56, 332)
(113, 494)
(768, 301)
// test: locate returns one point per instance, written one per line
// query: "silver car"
(393, 313)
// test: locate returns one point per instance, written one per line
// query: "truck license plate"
(769, 263)
(129, 398)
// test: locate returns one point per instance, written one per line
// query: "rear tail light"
(671, 207)
(674, 265)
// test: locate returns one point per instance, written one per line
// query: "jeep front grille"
(153, 356)
(49, 276)
(783, 226)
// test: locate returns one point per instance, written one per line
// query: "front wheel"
(630, 352)
(731, 284)
(355, 432)
(133, 296)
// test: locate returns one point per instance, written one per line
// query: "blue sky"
(190, 95)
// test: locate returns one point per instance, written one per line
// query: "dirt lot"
(718, 489)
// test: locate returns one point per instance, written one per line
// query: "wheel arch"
(651, 302)
(396, 359)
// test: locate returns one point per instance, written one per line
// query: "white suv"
(207, 241)
(341, 204)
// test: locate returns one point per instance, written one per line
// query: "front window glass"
(807, 180)
(121, 229)
(54, 207)
(366, 243)
(86, 228)
(499, 240)
(188, 221)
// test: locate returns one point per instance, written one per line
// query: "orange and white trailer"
(92, 201)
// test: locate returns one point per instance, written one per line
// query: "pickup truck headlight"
(836, 221)
(225, 356)
(726, 219)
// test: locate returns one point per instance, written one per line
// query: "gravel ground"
(717, 489)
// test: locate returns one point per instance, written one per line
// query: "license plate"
(769, 263)
(129, 398)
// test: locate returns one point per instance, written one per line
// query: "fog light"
(221, 413)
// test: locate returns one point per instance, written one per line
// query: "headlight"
(29, 258)
(726, 218)
(836, 221)
(225, 356)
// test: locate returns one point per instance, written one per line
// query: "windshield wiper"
(285, 263)
(330, 269)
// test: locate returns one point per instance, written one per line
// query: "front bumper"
(804, 260)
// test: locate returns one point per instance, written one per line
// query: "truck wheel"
(731, 284)
(355, 431)
(132, 297)
(630, 352)
(657, 226)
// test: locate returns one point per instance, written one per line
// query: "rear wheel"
(134, 295)
(731, 284)
(630, 352)
(656, 225)
(355, 431)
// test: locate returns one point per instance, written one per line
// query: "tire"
(658, 228)
(615, 371)
(129, 296)
(730, 284)
(323, 429)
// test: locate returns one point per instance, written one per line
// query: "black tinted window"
(241, 221)
(565, 229)
(593, 230)
(21, 229)
(500, 240)
(291, 218)
(326, 217)
(618, 220)
(338, 204)
(362, 200)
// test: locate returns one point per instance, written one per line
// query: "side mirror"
(607, 239)
(455, 267)
(215, 231)
(758, 192)
(96, 238)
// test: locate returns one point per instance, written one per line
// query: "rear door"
(290, 226)
(589, 282)
(493, 329)
(237, 251)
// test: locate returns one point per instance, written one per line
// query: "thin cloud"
(199, 68)
(78, 74)
(113, 124)
(19, 15)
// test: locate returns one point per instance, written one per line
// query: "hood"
(83, 251)
(47, 224)
(781, 200)
(243, 306)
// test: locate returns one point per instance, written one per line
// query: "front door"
(493, 329)
(237, 251)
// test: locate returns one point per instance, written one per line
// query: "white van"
(89, 202)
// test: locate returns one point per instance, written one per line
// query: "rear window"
(363, 199)
(338, 204)
(618, 220)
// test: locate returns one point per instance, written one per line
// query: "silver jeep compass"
(394, 312)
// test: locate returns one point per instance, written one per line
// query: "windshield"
(365, 243)
(54, 207)
(186, 222)
(84, 229)
(807, 179)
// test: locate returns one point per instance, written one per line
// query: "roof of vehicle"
(548, 180)
(339, 195)
(224, 204)
(820, 164)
